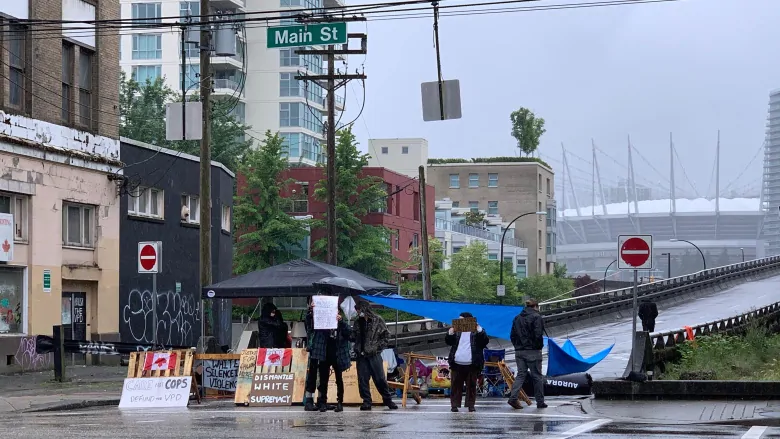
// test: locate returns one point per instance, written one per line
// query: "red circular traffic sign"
(635, 252)
(148, 257)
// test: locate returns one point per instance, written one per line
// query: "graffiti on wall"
(28, 359)
(178, 318)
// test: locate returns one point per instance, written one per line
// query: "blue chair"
(493, 383)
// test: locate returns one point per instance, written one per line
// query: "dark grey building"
(160, 202)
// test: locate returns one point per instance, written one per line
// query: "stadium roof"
(683, 205)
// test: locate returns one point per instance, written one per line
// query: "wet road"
(428, 421)
(739, 299)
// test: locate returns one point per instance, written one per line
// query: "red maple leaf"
(273, 358)
(6, 246)
(160, 362)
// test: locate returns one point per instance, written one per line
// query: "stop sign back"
(149, 256)
(635, 252)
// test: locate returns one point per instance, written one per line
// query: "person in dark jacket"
(466, 362)
(327, 348)
(281, 333)
(648, 311)
(371, 336)
(269, 326)
(528, 340)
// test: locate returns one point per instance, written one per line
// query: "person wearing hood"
(466, 362)
(269, 326)
(371, 337)
(328, 348)
(528, 340)
(281, 336)
(647, 312)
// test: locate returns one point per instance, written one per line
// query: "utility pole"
(331, 86)
(426, 261)
(205, 154)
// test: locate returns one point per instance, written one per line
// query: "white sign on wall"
(155, 392)
(6, 237)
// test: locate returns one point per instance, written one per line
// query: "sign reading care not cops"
(155, 392)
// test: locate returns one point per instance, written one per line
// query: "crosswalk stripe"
(754, 432)
(584, 428)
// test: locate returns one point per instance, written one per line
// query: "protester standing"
(281, 334)
(371, 337)
(648, 311)
(528, 340)
(466, 362)
(268, 326)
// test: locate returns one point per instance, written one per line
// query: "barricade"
(157, 379)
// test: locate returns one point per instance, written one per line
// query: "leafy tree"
(527, 129)
(361, 247)
(559, 271)
(469, 269)
(545, 286)
(585, 285)
(265, 233)
(442, 285)
(475, 219)
(142, 118)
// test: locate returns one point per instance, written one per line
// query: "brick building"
(59, 174)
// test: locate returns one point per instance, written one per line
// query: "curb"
(55, 407)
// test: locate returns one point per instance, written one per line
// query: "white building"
(404, 156)
(454, 234)
(770, 193)
(259, 81)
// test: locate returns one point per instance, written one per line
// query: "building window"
(539, 210)
(147, 46)
(474, 206)
(549, 189)
(492, 180)
(16, 62)
(12, 297)
(539, 237)
(397, 238)
(456, 204)
(473, 180)
(288, 85)
(549, 244)
(521, 270)
(493, 256)
(226, 218)
(78, 225)
(190, 9)
(455, 181)
(415, 240)
(146, 13)
(192, 202)
(144, 74)
(288, 58)
(296, 114)
(492, 208)
(384, 150)
(145, 201)
(191, 76)
(16, 205)
(540, 184)
(67, 80)
(85, 87)
(404, 150)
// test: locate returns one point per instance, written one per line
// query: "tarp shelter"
(292, 279)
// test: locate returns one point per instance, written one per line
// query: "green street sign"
(47, 281)
(307, 35)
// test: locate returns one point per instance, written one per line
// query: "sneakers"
(365, 407)
(391, 405)
(454, 410)
(472, 410)
(541, 405)
(515, 404)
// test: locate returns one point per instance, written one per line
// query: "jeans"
(528, 362)
(463, 374)
(372, 368)
(648, 325)
(322, 368)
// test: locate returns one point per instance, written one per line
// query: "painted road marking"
(584, 428)
(146, 422)
(754, 432)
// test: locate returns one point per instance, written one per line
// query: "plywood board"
(351, 390)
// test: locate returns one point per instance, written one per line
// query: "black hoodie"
(527, 331)
(268, 327)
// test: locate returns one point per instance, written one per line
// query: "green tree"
(545, 287)
(474, 219)
(442, 285)
(527, 129)
(361, 247)
(265, 233)
(142, 118)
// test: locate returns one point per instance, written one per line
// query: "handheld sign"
(465, 324)
(326, 309)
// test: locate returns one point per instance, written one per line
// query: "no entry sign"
(149, 256)
(635, 252)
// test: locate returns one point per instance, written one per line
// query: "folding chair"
(493, 383)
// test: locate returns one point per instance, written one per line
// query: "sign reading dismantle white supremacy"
(271, 389)
(155, 392)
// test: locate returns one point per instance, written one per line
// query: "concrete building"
(59, 154)
(770, 193)
(508, 189)
(160, 184)
(404, 156)
(455, 234)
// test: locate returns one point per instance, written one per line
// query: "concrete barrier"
(703, 389)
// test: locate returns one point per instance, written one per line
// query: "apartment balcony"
(228, 4)
(339, 103)
(227, 87)
(476, 232)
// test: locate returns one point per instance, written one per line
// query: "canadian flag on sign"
(274, 357)
(160, 361)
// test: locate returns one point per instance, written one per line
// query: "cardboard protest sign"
(272, 390)
(465, 324)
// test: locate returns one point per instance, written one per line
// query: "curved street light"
(501, 255)
(703, 261)
(605, 274)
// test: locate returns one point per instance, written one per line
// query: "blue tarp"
(563, 360)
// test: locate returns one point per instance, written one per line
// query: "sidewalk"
(38, 390)
(686, 412)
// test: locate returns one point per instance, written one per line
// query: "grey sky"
(690, 67)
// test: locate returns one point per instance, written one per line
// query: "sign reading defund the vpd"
(271, 389)
(155, 392)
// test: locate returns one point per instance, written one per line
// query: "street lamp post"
(668, 264)
(743, 254)
(703, 261)
(501, 254)
(605, 274)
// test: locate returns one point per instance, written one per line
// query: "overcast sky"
(689, 67)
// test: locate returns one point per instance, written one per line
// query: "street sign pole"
(633, 325)
(150, 261)
(635, 252)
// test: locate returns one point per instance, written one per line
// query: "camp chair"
(493, 383)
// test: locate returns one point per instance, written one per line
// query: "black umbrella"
(340, 285)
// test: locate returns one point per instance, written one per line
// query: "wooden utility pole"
(205, 153)
(331, 87)
(426, 260)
